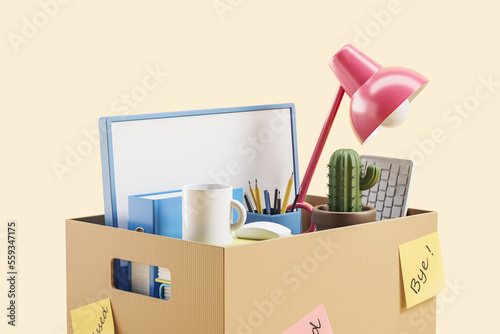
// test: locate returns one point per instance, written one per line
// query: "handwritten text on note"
(422, 269)
(96, 318)
(316, 322)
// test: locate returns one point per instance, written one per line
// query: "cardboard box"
(261, 287)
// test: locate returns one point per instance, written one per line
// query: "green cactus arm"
(370, 178)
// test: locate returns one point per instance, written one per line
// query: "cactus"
(346, 181)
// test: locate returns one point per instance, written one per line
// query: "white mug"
(207, 213)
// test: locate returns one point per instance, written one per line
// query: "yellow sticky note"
(422, 269)
(96, 318)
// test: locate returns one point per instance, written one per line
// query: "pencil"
(287, 194)
(252, 192)
(259, 198)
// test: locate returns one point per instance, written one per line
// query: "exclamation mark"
(429, 250)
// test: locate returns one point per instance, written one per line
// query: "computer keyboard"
(390, 195)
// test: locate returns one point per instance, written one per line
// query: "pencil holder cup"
(292, 220)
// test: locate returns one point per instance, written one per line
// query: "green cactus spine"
(346, 181)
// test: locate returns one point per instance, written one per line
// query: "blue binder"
(161, 214)
(158, 213)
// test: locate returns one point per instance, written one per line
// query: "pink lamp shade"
(375, 91)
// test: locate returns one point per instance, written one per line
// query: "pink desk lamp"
(380, 98)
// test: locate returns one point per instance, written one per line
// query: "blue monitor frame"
(107, 154)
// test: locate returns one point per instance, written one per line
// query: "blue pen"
(268, 202)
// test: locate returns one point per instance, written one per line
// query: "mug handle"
(308, 207)
(242, 215)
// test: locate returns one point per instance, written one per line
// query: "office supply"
(165, 281)
(262, 231)
(149, 153)
(422, 269)
(268, 202)
(157, 213)
(93, 318)
(165, 291)
(287, 194)
(390, 196)
(248, 203)
(315, 322)
(161, 214)
(279, 201)
(254, 196)
(291, 220)
(259, 198)
(295, 200)
(164, 275)
(162, 281)
(379, 98)
(275, 208)
(207, 216)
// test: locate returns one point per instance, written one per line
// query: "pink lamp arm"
(306, 181)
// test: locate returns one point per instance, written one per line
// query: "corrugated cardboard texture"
(256, 288)
(354, 271)
(197, 279)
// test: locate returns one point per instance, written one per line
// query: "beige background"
(75, 67)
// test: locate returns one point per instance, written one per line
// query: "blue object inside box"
(292, 220)
(156, 214)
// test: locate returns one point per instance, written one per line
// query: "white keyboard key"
(402, 179)
(405, 169)
(387, 213)
(400, 191)
(396, 212)
(393, 178)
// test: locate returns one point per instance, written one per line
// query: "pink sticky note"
(316, 322)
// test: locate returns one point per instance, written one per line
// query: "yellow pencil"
(287, 194)
(259, 199)
(253, 196)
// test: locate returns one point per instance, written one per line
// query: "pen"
(295, 200)
(252, 192)
(279, 202)
(259, 198)
(275, 210)
(249, 204)
(287, 194)
(268, 202)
